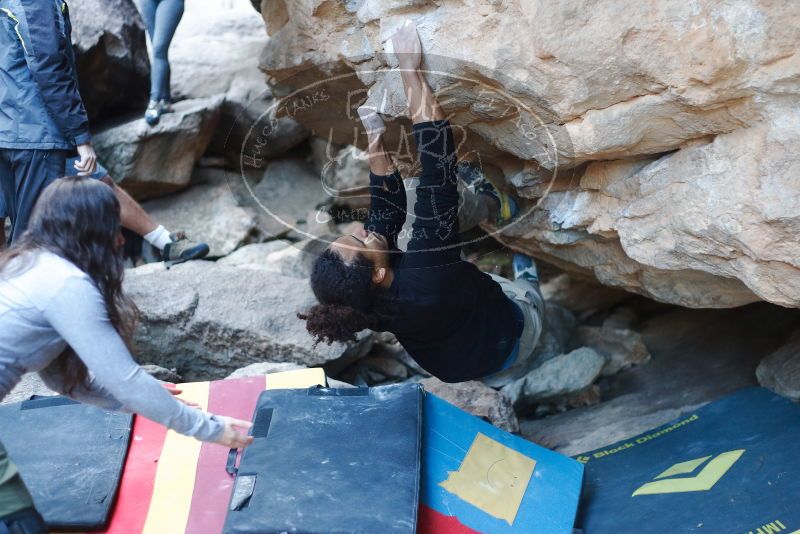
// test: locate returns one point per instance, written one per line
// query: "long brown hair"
(78, 219)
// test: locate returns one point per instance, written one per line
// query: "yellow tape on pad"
(492, 477)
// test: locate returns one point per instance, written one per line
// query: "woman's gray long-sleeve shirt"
(51, 304)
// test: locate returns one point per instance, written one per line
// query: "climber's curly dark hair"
(348, 300)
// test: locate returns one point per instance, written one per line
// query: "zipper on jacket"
(16, 27)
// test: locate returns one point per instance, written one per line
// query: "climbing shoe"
(525, 269)
(476, 181)
(154, 111)
(183, 249)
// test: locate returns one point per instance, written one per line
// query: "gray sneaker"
(154, 111)
(475, 180)
(183, 249)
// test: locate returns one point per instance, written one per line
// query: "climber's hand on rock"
(234, 434)
(87, 162)
(407, 46)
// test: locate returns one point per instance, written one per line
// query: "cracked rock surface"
(655, 143)
(207, 320)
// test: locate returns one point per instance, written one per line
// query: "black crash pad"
(331, 460)
(70, 456)
(731, 466)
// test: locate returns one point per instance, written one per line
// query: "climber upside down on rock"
(63, 312)
(454, 320)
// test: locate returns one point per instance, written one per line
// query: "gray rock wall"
(656, 143)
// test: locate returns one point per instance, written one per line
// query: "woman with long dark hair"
(457, 322)
(63, 314)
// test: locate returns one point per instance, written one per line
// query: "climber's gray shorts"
(529, 299)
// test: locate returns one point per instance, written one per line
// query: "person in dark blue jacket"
(42, 119)
(43, 122)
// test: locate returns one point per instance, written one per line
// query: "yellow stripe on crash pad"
(177, 467)
(297, 379)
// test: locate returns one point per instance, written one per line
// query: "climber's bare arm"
(421, 103)
(379, 161)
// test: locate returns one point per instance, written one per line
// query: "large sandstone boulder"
(477, 399)
(622, 348)
(230, 35)
(698, 356)
(557, 338)
(282, 197)
(109, 41)
(264, 368)
(556, 379)
(152, 161)
(206, 320)
(780, 371)
(345, 174)
(256, 255)
(579, 295)
(657, 143)
(289, 259)
(206, 212)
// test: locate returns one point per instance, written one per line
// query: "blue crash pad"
(492, 481)
(730, 467)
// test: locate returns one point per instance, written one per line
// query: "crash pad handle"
(260, 429)
(230, 465)
(46, 401)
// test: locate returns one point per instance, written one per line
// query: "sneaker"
(525, 269)
(183, 249)
(154, 111)
(476, 182)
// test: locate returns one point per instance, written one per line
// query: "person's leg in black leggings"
(168, 15)
(161, 18)
(148, 9)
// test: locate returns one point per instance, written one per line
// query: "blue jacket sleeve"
(52, 71)
(387, 209)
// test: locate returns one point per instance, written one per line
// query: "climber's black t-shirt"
(454, 320)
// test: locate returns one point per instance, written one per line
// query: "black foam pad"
(70, 456)
(331, 460)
